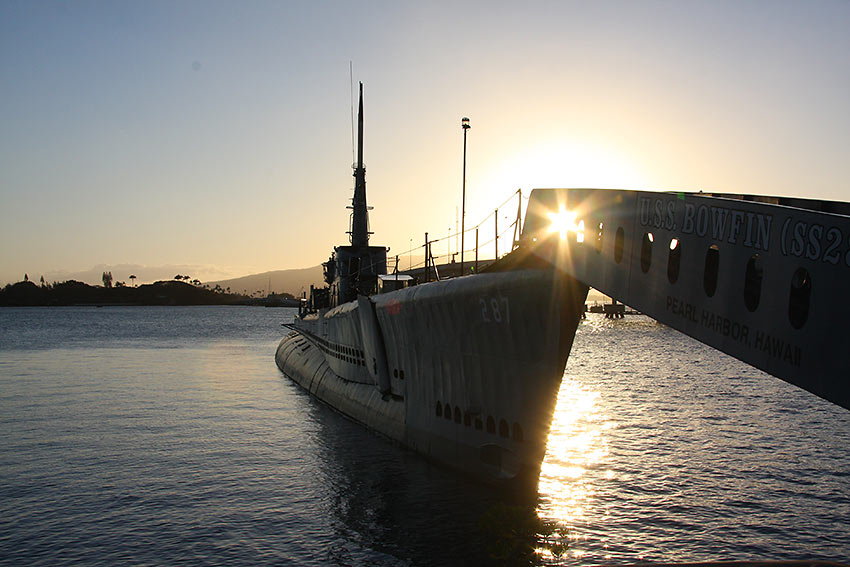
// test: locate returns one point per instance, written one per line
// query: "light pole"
(464, 123)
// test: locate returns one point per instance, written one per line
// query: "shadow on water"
(390, 506)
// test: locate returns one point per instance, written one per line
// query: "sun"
(563, 221)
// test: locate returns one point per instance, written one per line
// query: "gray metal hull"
(464, 371)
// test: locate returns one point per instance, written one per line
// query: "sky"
(215, 138)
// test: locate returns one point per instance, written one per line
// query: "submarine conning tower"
(353, 270)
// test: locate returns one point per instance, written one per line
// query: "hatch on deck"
(392, 282)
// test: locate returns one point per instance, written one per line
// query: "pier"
(759, 278)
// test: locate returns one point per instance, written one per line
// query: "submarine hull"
(465, 371)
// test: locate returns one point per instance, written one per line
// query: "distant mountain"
(281, 281)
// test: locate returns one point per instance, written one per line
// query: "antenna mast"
(351, 97)
(360, 216)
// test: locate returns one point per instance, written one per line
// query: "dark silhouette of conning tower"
(353, 270)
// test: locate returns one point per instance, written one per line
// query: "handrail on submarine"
(760, 278)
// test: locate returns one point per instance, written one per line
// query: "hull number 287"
(495, 309)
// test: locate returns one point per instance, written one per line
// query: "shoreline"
(165, 293)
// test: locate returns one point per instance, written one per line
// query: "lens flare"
(563, 221)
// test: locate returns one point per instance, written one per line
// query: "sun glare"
(575, 455)
(563, 221)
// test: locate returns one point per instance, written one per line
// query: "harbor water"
(167, 435)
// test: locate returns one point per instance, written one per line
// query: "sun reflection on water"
(575, 460)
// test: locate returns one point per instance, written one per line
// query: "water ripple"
(699, 462)
(167, 436)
